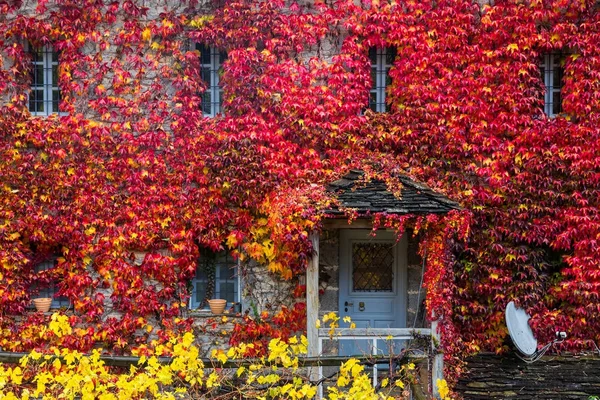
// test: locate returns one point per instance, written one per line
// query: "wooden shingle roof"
(374, 197)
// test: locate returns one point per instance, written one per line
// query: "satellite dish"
(519, 330)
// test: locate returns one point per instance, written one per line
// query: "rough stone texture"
(263, 290)
(329, 246)
(213, 331)
(490, 376)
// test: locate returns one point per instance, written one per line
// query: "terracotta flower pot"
(42, 303)
(217, 306)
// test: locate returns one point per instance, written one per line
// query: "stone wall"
(263, 290)
(213, 331)
(490, 376)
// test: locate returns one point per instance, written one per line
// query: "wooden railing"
(375, 336)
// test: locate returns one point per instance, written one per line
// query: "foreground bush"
(69, 374)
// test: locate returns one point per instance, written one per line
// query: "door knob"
(361, 306)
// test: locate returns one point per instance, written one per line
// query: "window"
(44, 96)
(216, 278)
(50, 286)
(211, 61)
(381, 62)
(551, 70)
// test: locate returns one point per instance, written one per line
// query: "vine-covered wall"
(131, 165)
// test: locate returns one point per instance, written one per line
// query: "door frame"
(400, 285)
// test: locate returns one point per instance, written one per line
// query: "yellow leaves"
(70, 171)
(16, 376)
(512, 47)
(146, 34)
(56, 364)
(200, 21)
(443, 390)
(268, 249)
(232, 241)
(14, 236)
(212, 380)
(90, 231)
(86, 377)
(59, 325)
(219, 355)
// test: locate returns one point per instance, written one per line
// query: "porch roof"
(374, 197)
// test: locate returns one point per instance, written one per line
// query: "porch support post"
(437, 370)
(312, 303)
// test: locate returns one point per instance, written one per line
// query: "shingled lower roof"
(374, 197)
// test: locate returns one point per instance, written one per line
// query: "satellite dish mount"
(517, 322)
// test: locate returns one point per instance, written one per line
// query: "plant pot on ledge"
(42, 303)
(217, 306)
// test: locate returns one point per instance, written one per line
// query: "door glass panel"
(372, 267)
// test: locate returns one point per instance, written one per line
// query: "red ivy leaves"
(134, 167)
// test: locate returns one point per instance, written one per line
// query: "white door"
(372, 285)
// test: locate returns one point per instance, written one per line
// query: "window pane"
(373, 101)
(373, 55)
(55, 76)
(55, 100)
(556, 103)
(204, 54)
(200, 292)
(37, 55)
(557, 79)
(38, 75)
(51, 288)
(390, 55)
(227, 291)
(205, 75)
(388, 78)
(36, 101)
(372, 267)
(216, 276)
(206, 102)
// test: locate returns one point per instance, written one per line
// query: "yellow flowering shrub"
(69, 374)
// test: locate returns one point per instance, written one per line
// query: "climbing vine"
(129, 181)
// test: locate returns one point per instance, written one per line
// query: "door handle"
(361, 306)
(347, 304)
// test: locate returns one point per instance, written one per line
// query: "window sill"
(205, 313)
